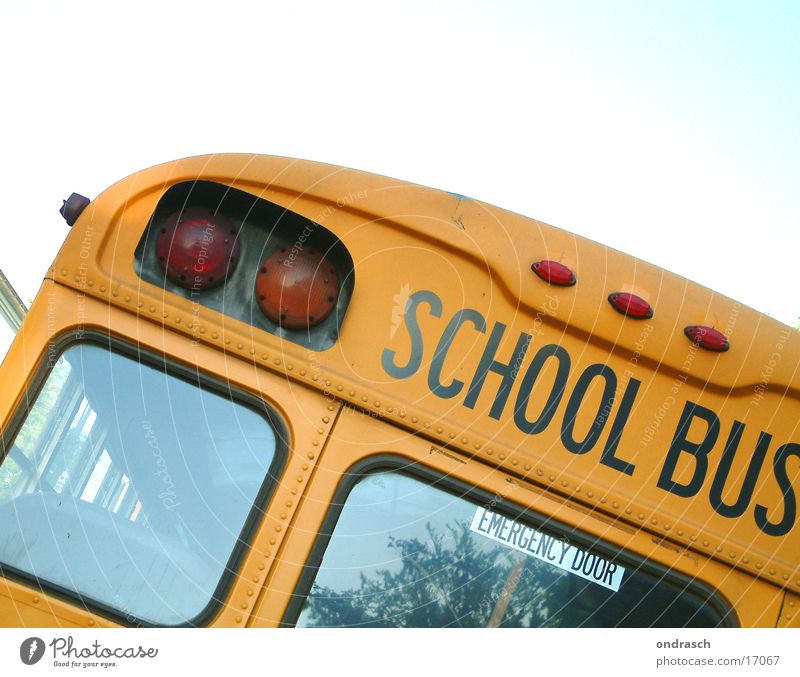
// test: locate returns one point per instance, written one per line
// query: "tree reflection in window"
(402, 555)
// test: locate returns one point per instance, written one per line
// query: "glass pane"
(405, 554)
(130, 487)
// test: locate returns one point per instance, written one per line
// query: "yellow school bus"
(256, 392)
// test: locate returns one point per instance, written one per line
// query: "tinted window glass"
(131, 487)
(406, 554)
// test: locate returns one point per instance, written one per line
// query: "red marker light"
(707, 338)
(555, 273)
(631, 305)
(297, 290)
(196, 248)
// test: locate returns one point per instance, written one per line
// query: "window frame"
(461, 489)
(198, 378)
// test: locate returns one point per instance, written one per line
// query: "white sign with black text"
(548, 549)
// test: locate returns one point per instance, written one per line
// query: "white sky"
(668, 130)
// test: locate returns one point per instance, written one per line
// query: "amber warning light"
(297, 290)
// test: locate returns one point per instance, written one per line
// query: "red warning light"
(555, 273)
(707, 338)
(297, 290)
(631, 305)
(196, 248)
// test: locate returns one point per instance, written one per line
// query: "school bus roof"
(451, 335)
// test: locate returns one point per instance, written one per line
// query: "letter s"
(414, 332)
(789, 498)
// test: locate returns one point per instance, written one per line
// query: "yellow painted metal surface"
(358, 437)
(459, 254)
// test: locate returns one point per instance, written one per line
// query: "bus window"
(406, 554)
(129, 488)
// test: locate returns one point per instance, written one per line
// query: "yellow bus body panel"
(405, 239)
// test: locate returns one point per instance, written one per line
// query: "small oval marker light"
(630, 305)
(707, 338)
(555, 273)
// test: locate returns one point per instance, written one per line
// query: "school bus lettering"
(790, 501)
(698, 449)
